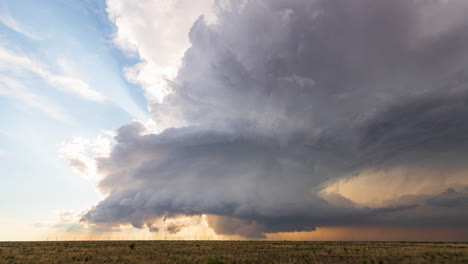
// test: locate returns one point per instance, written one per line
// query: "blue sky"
(71, 39)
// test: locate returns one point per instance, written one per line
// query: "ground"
(217, 252)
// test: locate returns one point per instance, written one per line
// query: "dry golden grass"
(216, 252)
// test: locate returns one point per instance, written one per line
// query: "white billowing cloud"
(81, 153)
(16, 91)
(12, 62)
(157, 32)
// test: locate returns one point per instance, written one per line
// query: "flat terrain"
(213, 252)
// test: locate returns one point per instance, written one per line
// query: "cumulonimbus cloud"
(279, 99)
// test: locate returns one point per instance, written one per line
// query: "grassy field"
(214, 252)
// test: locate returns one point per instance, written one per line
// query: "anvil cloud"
(280, 99)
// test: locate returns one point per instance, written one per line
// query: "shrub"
(132, 246)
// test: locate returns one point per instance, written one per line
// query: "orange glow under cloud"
(380, 188)
(376, 234)
(197, 228)
(321, 234)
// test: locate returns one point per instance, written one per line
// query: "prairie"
(217, 252)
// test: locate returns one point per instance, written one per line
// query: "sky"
(228, 119)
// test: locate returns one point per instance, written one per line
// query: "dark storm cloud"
(173, 228)
(280, 98)
(429, 129)
(151, 227)
(450, 198)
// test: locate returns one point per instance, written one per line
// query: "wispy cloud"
(12, 61)
(3, 153)
(15, 90)
(14, 25)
